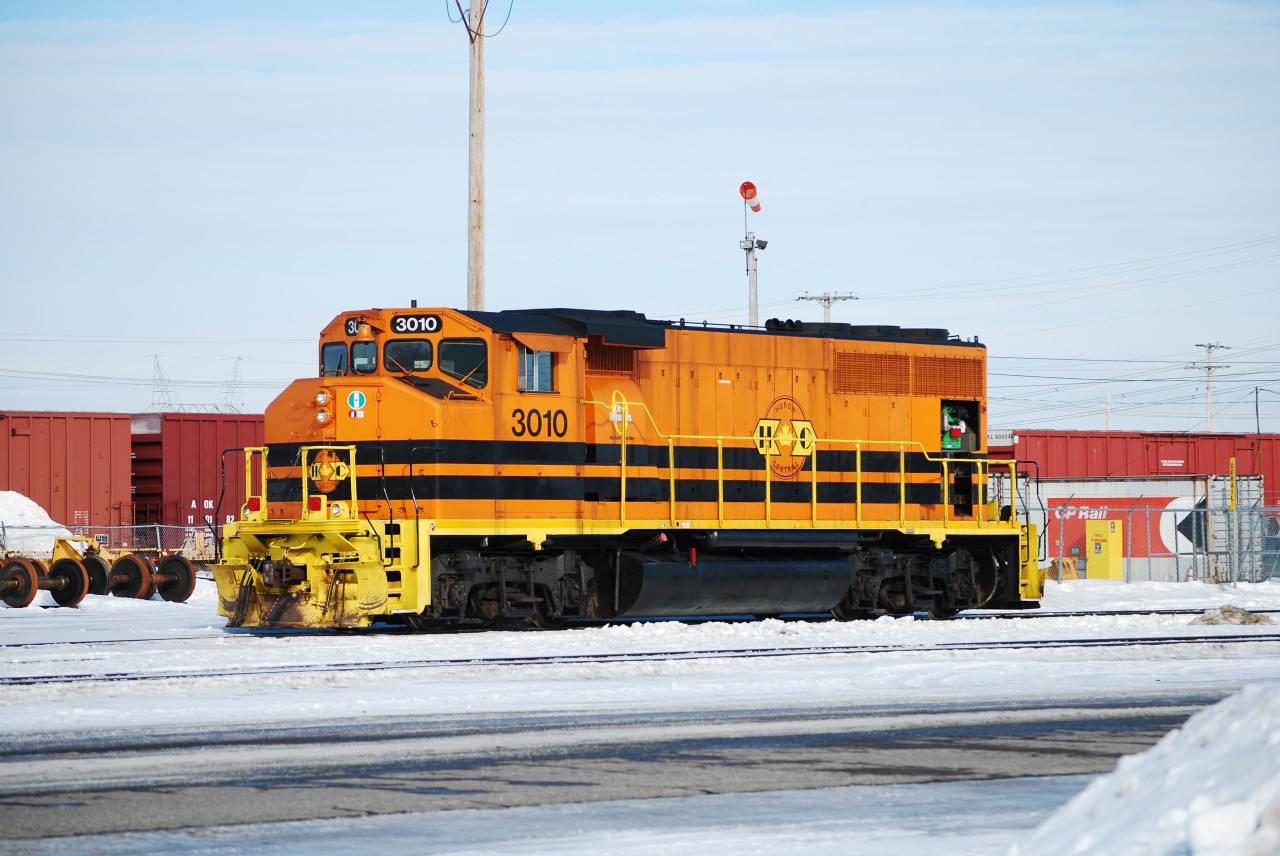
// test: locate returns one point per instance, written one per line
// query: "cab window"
(405, 356)
(364, 357)
(333, 359)
(535, 371)
(465, 359)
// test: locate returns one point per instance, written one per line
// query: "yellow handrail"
(622, 407)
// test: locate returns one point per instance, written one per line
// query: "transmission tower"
(161, 398)
(231, 399)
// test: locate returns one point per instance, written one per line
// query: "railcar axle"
(21, 578)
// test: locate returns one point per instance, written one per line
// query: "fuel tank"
(651, 587)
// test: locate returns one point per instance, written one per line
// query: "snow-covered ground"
(1212, 787)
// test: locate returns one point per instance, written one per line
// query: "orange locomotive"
(554, 464)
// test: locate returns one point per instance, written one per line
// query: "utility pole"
(473, 20)
(826, 299)
(1209, 368)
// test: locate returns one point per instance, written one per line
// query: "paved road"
(54, 785)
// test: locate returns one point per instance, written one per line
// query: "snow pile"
(25, 527)
(1229, 614)
(1210, 788)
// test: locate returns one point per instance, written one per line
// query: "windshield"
(333, 359)
(407, 355)
(364, 357)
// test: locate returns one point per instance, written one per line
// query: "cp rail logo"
(327, 470)
(785, 437)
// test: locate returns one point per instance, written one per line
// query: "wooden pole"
(475, 161)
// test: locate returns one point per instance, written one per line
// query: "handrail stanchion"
(902, 484)
(857, 466)
(671, 474)
(813, 496)
(720, 479)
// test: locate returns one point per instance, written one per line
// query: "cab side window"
(535, 373)
(465, 359)
(333, 359)
(364, 357)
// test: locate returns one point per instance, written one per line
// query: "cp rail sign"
(785, 437)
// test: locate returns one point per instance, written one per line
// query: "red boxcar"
(1143, 454)
(177, 467)
(74, 465)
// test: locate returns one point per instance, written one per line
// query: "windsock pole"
(750, 201)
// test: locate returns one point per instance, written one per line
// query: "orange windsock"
(749, 194)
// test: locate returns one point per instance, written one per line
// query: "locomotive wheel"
(423, 624)
(175, 579)
(18, 583)
(545, 615)
(547, 621)
(98, 571)
(943, 612)
(131, 577)
(849, 613)
(68, 582)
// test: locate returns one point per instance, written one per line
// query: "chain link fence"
(1139, 543)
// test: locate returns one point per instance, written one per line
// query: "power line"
(947, 290)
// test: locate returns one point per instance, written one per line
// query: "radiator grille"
(899, 374)
(884, 374)
(605, 359)
(947, 377)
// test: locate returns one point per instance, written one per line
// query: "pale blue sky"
(1085, 187)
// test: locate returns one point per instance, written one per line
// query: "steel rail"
(635, 657)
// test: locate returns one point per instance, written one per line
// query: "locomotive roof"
(627, 327)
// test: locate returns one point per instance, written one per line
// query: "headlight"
(322, 398)
(322, 416)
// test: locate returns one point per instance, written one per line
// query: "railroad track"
(1037, 613)
(391, 630)
(629, 658)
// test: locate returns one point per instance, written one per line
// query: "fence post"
(1237, 553)
(1178, 576)
(1061, 534)
(158, 546)
(1150, 568)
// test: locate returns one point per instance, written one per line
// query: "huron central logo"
(327, 469)
(785, 437)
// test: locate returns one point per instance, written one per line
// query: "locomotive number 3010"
(415, 324)
(535, 423)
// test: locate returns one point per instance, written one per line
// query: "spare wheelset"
(72, 575)
(20, 579)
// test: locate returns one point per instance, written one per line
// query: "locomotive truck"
(449, 467)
